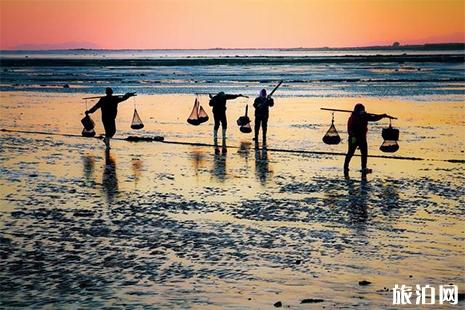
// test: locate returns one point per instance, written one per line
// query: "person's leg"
(216, 118)
(257, 129)
(364, 151)
(110, 130)
(352, 146)
(224, 125)
(264, 128)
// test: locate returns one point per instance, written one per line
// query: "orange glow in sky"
(156, 24)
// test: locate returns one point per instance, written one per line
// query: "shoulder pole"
(349, 111)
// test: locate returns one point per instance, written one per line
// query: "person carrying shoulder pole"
(218, 102)
(357, 127)
(261, 105)
(109, 106)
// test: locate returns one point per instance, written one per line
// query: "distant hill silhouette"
(394, 46)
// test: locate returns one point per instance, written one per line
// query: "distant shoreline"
(230, 60)
(416, 47)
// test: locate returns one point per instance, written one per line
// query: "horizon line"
(400, 46)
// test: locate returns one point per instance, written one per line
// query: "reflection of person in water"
(391, 201)
(109, 179)
(136, 164)
(197, 157)
(89, 163)
(244, 150)
(219, 166)
(358, 213)
(262, 168)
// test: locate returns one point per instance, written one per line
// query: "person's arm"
(97, 106)
(270, 102)
(255, 103)
(349, 126)
(374, 117)
(230, 97)
(125, 97)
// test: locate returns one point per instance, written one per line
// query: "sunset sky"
(227, 23)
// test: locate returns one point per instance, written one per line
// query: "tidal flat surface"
(160, 225)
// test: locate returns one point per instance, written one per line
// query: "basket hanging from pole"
(332, 136)
(390, 136)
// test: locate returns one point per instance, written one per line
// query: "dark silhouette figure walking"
(109, 106)
(357, 126)
(218, 102)
(262, 106)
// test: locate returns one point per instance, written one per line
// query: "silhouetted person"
(357, 127)
(261, 105)
(218, 102)
(109, 107)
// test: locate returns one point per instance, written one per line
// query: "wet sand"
(162, 225)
